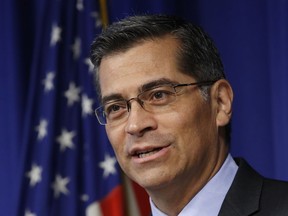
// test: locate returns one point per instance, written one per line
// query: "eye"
(115, 109)
(160, 95)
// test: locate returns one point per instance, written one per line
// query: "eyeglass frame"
(141, 102)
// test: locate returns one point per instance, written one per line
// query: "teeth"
(142, 155)
(148, 153)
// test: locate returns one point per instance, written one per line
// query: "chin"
(152, 183)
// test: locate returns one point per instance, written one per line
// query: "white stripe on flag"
(94, 209)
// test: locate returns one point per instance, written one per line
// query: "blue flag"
(68, 165)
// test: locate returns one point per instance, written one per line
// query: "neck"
(174, 196)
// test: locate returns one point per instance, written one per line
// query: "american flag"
(68, 164)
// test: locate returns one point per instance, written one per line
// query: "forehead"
(124, 72)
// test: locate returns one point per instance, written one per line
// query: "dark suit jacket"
(252, 194)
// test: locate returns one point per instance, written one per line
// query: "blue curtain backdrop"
(252, 37)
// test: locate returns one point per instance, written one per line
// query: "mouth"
(143, 154)
(149, 154)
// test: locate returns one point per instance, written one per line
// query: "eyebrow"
(156, 83)
(144, 87)
(112, 97)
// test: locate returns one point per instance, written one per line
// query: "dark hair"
(197, 55)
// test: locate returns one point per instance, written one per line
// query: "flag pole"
(103, 13)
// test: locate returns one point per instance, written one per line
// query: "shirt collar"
(208, 201)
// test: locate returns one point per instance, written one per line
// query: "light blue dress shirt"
(208, 201)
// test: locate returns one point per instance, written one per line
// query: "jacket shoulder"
(274, 196)
(253, 194)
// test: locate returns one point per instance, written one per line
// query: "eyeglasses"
(154, 100)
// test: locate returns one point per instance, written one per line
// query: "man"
(166, 106)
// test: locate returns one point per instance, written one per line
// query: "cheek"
(194, 125)
(118, 147)
(116, 138)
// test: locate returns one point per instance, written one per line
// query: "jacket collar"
(244, 195)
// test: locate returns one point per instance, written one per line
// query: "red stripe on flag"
(142, 199)
(113, 203)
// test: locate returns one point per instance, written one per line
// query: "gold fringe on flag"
(104, 13)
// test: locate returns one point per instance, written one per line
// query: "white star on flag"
(35, 175)
(79, 5)
(42, 129)
(55, 35)
(65, 139)
(98, 22)
(72, 94)
(86, 105)
(29, 213)
(89, 64)
(84, 197)
(60, 186)
(108, 165)
(76, 48)
(48, 81)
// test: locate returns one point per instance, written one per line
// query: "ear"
(222, 95)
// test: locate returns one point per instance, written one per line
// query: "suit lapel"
(244, 194)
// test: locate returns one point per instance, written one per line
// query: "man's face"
(178, 145)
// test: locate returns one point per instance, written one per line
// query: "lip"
(157, 153)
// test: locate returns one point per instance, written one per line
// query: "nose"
(140, 102)
(139, 120)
